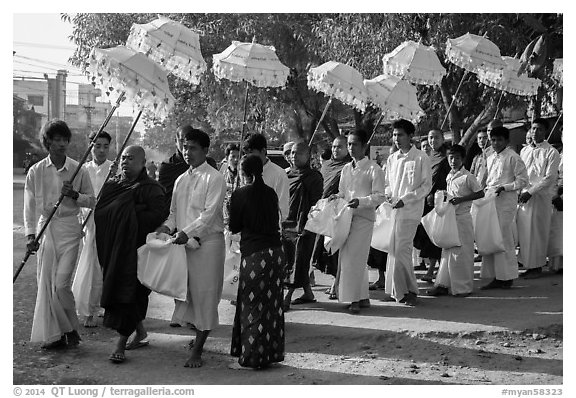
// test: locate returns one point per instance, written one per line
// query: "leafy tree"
(306, 40)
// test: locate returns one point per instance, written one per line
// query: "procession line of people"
(265, 208)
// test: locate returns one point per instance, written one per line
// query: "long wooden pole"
(555, 124)
(61, 198)
(320, 121)
(118, 155)
(453, 99)
(376, 126)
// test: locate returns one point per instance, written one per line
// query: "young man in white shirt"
(196, 220)
(535, 214)
(87, 285)
(55, 322)
(408, 181)
(506, 176)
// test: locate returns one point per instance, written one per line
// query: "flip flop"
(303, 300)
(137, 344)
(117, 357)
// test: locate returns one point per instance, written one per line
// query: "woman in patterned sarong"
(258, 332)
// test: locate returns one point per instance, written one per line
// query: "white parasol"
(509, 81)
(170, 44)
(473, 53)
(251, 62)
(395, 97)
(338, 81)
(414, 62)
(120, 70)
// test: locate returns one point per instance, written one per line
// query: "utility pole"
(48, 95)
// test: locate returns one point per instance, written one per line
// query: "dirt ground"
(512, 337)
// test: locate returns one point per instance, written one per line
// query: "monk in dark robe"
(331, 170)
(130, 207)
(440, 170)
(305, 190)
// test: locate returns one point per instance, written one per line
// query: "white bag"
(440, 224)
(331, 219)
(162, 266)
(487, 232)
(383, 228)
(231, 267)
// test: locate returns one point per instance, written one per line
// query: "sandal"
(137, 344)
(117, 357)
(303, 300)
(333, 296)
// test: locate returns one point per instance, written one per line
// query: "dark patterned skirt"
(258, 332)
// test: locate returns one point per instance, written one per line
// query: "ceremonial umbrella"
(170, 44)
(253, 63)
(414, 62)
(473, 53)
(509, 81)
(395, 97)
(339, 81)
(122, 74)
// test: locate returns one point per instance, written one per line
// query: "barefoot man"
(196, 220)
(130, 207)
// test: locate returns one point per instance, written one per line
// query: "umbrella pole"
(244, 120)
(498, 104)
(320, 121)
(376, 126)
(116, 162)
(61, 198)
(555, 124)
(453, 99)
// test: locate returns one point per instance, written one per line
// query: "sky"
(47, 50)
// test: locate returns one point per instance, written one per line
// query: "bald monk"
(131, 206)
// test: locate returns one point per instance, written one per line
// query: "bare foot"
(194, 362)
(72, 339)
(90, 322)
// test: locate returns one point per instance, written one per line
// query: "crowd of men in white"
(525, 189)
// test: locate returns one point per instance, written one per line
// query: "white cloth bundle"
(487, 231)
(383, 227)
(332, 219)
(162, 266)
(440, 224)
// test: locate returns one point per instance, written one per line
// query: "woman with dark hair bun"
(258, 332)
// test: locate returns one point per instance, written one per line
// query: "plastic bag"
(487, 232)
(383, 228)
(162, 266)
(440, 225)
(231, 267)
(331, 219)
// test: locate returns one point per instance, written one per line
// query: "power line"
(44, 61)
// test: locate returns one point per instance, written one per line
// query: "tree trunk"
(484, 117)
(454, 120)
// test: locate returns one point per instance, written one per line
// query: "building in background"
(48, 99)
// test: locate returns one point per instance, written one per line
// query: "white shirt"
(542, 162)
(363, 180)
(43, 188)
(462, 183)
(506, 169)
(196, 207)
(409, 178)
(276, 178)
(98, 173)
